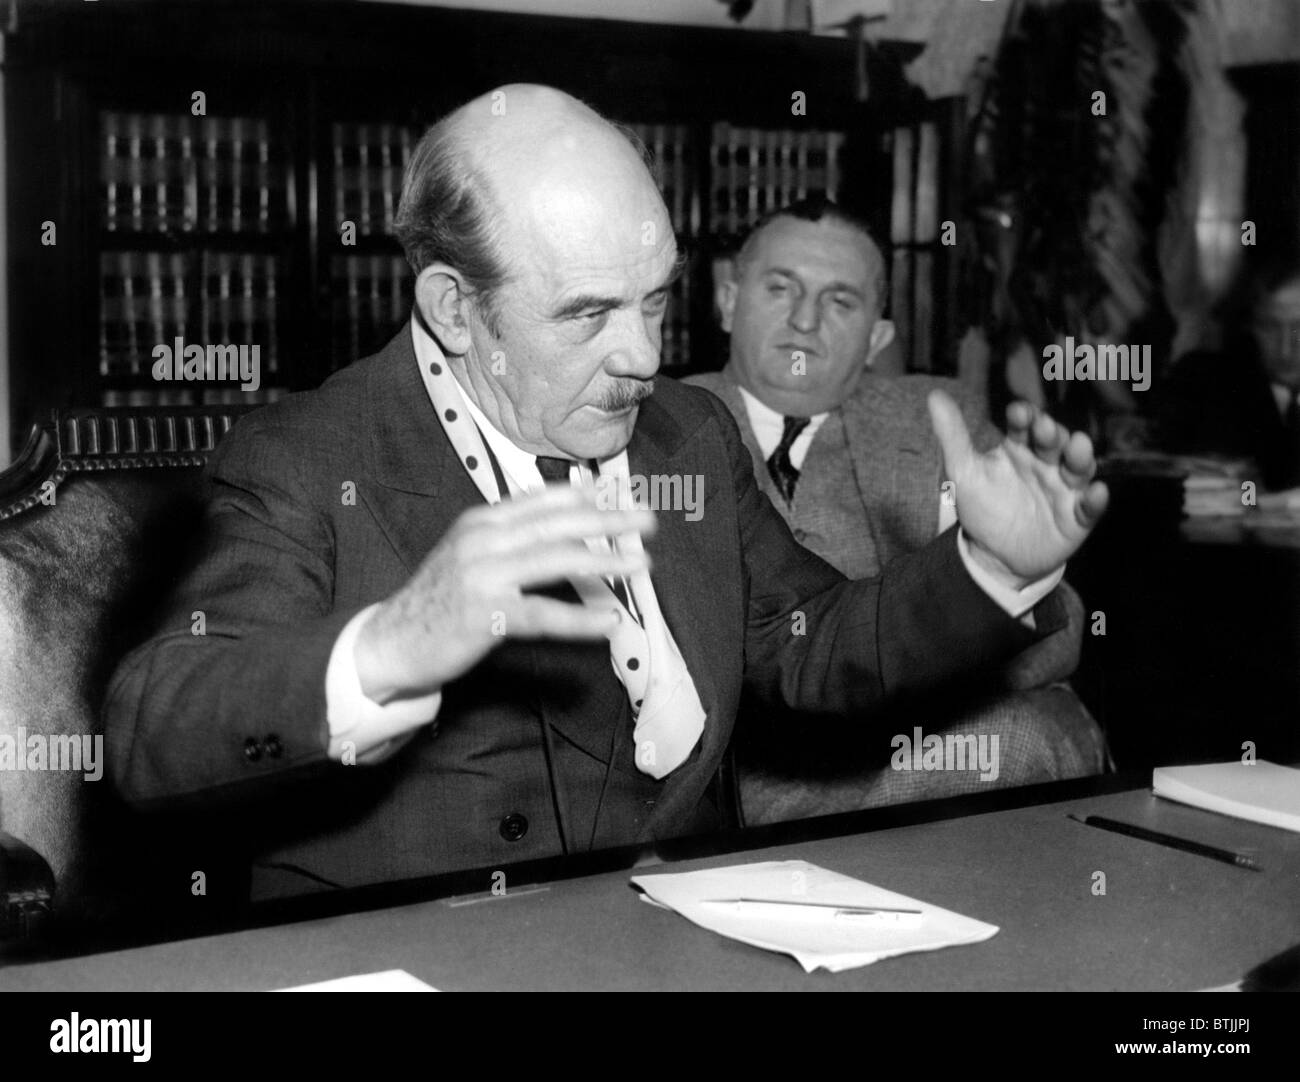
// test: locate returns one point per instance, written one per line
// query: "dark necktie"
(784, 475)
(556, 471)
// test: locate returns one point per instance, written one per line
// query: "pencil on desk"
(906, 918)
(1186, 845)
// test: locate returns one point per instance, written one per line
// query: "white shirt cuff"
(1017, 602)
(357, 723)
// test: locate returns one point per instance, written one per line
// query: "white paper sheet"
(390, 980)
(813, 940)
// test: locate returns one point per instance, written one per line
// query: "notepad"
(813, 941)
(1262, 792)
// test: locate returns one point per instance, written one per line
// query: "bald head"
(520, 164)
(544, 256)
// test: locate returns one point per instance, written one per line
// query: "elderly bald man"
(463, 665)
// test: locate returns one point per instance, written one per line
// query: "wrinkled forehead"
(596, 222)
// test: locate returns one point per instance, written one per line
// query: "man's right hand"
(468, 594)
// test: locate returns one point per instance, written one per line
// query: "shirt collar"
(518, 465)
(768, 425)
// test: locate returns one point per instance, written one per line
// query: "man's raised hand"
(1027, 504)
(469, 592)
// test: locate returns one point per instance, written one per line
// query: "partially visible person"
(851, 462)
(1244, 400)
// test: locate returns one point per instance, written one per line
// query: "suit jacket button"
(800, 534)
(272, 746)
(513, 827)
(252, 750)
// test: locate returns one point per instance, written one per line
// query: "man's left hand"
(1027, 504)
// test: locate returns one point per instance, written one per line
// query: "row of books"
(369, 163)
(175, 173)
(670, 150)
(753, 171)
(149, 299)
(914, 229)
(191, 396)
(370, 301)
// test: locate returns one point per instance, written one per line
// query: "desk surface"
(1168, 920)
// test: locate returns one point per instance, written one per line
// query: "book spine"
(397, 307)
(178, 310)
(157, 330)
(834, 145)
(922, 356)
(134, 137)
(354, 308)
(901, 208)
(237, 140)
(263, 176)
(927, 185)
(248, 306)
(386, 184)
(109, 309)
(129, 267)
(157, 169)
(900, 304)
(189, 178)
(220, 330)
(801, 165)
(340, 178)
(363, 177)
(111, 123)
(212, 170)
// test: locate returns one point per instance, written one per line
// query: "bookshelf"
(266, 219)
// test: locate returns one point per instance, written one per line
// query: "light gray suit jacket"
(869, 491)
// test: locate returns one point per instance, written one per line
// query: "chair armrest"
(26, 890)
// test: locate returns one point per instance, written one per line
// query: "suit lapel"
(887, 453)
(686, 572)
(421, 487)
(729, 392)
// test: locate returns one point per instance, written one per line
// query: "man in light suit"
(401, 652)
(851, 462)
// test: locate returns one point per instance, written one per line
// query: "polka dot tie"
(669, 718)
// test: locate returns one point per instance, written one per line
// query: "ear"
(881, 335)
(443, 301)
(724, 296)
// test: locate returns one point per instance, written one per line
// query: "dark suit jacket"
(237, 713)
(1221, 402)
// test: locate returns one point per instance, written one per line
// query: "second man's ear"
(724, 291)
(882, 333)
(443, 301)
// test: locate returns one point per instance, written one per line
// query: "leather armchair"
(95, 516)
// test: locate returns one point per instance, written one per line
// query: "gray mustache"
(625, 395)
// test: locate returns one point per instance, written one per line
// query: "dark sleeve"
(184, 709)
(818, 642)
(1059, 619)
